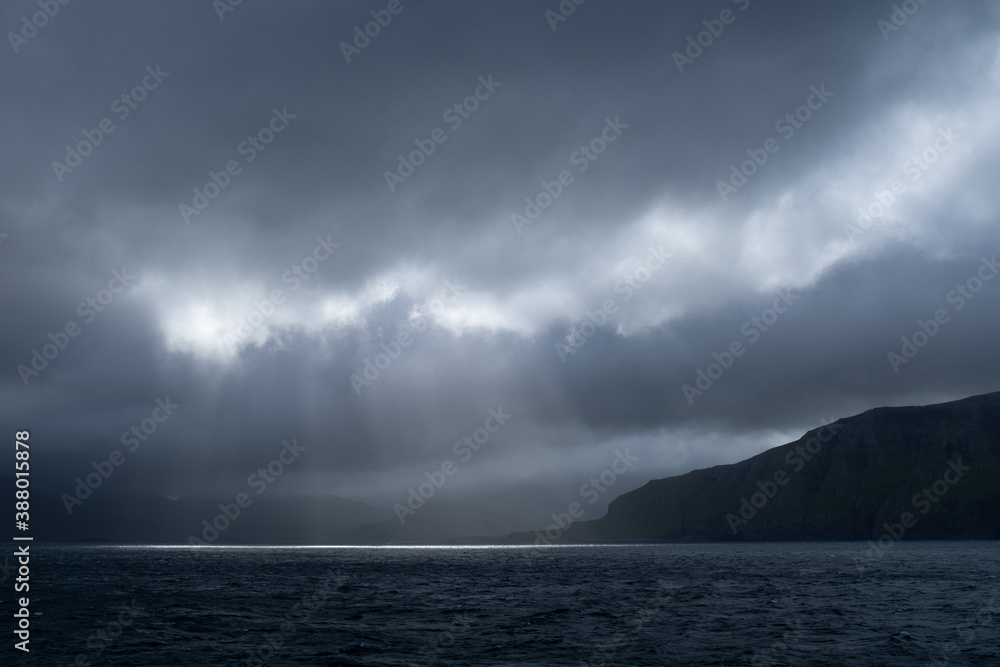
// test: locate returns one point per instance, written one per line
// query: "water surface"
(704, 604)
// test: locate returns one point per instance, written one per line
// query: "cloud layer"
(571, 230)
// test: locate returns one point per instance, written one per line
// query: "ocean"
(915, 603)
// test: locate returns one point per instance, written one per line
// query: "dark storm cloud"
(323, 177)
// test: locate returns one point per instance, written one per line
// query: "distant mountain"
(152, 519)
(929, 472)
(471, 521)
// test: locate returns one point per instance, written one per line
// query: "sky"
(688, 231)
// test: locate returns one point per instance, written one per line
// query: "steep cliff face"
(929, 472)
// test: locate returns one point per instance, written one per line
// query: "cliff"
(933, 471)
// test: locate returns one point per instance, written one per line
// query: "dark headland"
(935, 467)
